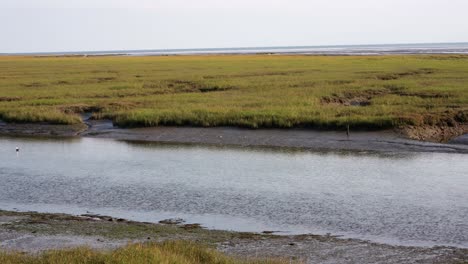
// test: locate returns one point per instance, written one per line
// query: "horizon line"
(118, 51)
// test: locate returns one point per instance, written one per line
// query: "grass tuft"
(171, 252)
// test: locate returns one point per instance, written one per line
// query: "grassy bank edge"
(183, 252)
(166, 242)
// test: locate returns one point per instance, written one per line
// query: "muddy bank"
(27, 129)
(33, 232)
(436, 133)
(380, 141)
(462, 140)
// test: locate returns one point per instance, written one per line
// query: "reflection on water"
(265, 149)
(413, 199)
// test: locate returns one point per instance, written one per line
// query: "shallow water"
(407, 199)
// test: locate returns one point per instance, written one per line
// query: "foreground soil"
(34, 232)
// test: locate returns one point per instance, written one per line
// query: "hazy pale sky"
(86, 25)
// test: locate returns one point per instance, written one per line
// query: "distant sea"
(384, 49)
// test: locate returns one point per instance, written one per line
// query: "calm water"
(425, 48)
(411, 199)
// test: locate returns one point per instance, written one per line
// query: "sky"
(96, 25)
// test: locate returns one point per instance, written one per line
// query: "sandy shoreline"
(378, 141)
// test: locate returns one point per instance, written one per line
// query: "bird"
(17, 149)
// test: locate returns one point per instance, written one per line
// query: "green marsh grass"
(329, 92)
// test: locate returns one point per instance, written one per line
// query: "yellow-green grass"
(175, 252)
(369, 92)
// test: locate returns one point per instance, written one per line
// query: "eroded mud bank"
(380, 141)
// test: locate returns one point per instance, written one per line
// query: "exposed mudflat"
(28, 129)
(33, 232)
(380, 141)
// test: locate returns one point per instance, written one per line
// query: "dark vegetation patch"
(443, 120)
(191, 226)
(447, 57)
(339, 82)
(303, 84)
(426, 94)
(398, 75)
(435, 126)
(97, 111)
(400, 90)
(120, 105)
(272, 73)
(353, 98)
(247, 235)
(207, 89)
(347, 100)
(394, 88)
(192, 86)
(184, 86)
(363, 98)
(62, 83)
(78, 108)
(104, 71)
(253, 74)
(172, 221)
(33, 85)
(119, 87)
(100, 96)
(369, 72)
(105, 79)
(98, 80)
(153, 85)
(462, 116)
(9, 99)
